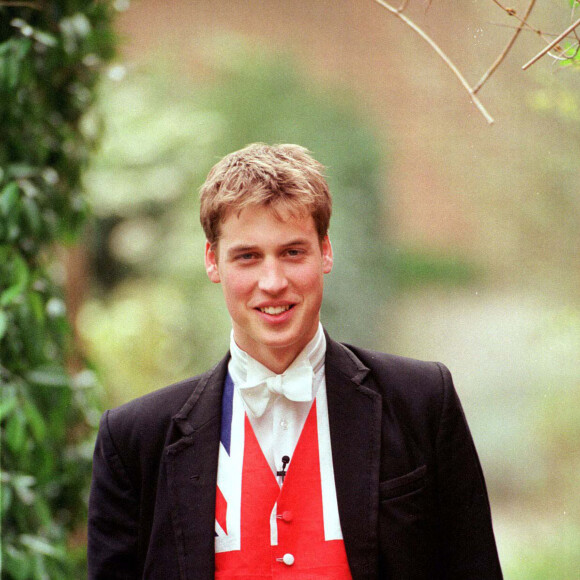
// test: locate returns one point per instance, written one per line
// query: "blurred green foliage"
(156, 317)
(412, 268)
(546, 555)
(50, 58)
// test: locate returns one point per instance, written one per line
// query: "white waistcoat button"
(288, 559)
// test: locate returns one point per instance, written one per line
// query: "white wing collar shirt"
(278, 405)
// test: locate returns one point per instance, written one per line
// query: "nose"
(272, 278)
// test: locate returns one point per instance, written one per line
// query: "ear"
(211, 265)
(327, 258)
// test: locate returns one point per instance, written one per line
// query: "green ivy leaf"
(20, 277)
(8, 404)
(32, 215)
(17, 564)
(49, 376)
(22, 170)
(42, 511)
(11, 64)
(41, 546)
(35, 420)
(36, 306)
(6, 499)
(45, 38)
(3, 323)
(16, 431)
(22, 485)
(8, 198)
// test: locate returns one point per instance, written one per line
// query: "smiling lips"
(274, 309)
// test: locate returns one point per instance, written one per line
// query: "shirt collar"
(314, 352)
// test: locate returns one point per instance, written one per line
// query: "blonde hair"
(285, 178)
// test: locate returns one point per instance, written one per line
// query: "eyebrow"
(297, 242)
(240, 249)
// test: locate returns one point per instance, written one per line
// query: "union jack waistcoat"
(262, 529)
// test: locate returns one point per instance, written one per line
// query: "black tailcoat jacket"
(411, 494)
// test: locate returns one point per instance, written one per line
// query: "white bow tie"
(295, 384)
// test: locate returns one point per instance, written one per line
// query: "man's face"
(271, 271)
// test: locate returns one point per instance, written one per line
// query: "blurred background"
(454, 240)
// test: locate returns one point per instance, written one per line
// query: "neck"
(278, 359)
(275, 359)
(277, 362)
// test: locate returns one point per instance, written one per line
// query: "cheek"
(236, 285)
(312, 281)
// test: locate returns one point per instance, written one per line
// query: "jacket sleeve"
(465, 515)
(113, 513)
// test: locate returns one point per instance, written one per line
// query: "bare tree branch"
(508, 47)
(443, 56)
(552, 44)
(547, 36)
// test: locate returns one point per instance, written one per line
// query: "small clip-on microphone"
(285, 461)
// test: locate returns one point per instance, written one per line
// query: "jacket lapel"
(354, 409)
(191, 462)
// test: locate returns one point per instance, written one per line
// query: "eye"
(294, 252)
(246, 257)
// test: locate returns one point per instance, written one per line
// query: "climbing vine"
(51, 56)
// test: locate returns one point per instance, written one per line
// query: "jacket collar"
(191, 416)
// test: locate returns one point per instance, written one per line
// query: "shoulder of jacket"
(393, 364)
(416, 392)
(405, 377)
(152, 413)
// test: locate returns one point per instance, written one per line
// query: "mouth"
(275, 310)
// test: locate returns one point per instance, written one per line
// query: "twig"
(547, 36)
(512, 12)
(443, 56)
(552, 44)
(508, 47)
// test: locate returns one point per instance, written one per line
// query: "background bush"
(51, 55)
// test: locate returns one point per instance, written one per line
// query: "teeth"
(274, 309)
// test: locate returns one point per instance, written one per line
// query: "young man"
(296, 456)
